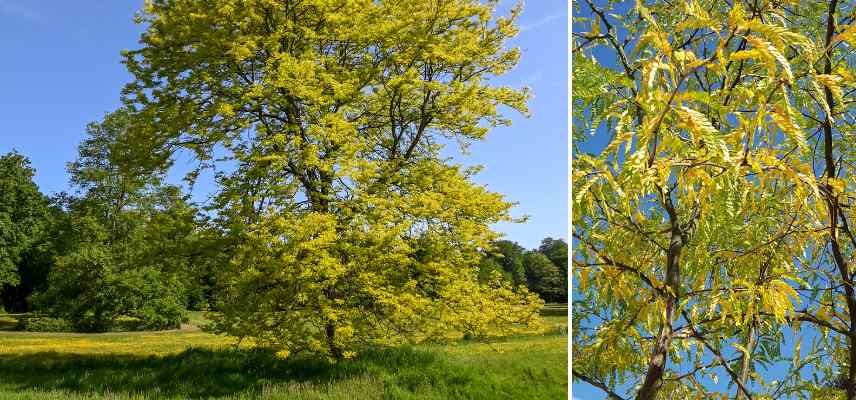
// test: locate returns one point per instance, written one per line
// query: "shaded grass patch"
(396, 373)
(196, 372)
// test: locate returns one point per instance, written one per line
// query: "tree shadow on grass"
(192, 373)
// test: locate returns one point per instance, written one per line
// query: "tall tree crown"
(331, 115)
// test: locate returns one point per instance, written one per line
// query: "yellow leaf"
(771, 56)
(741, 348)
(838, 185)
(848, 35)
(745, 55)
(821, 98)
(833, 83)
(788, 126)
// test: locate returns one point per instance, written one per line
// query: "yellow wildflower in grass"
(283, 354)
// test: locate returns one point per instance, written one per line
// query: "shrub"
(130, 324)
(92, 289)
(37, 323)
(155, 298)
(42, 323)
(81, 289)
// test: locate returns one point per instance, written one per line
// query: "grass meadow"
(189, 363)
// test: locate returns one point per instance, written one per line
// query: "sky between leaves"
(61, 69)
(595, 144)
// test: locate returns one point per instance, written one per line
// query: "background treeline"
(124, 246)
(543, 270)
(126, 249)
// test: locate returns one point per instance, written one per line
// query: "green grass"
(196, 318)
(188, 363)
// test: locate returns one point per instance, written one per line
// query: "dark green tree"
(24, 215)
(488, 266)
(37, 261)
(544, 278)
(129, 240)
(557, 251)
(508, 256)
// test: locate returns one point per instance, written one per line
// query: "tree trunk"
(746, 360)
(657, 362)
(330, 332)
(851, 371)
(835, 210)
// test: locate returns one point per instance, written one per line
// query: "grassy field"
(188, 363)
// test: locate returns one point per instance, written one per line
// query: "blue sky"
(61, 70)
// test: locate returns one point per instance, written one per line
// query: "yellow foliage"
(346, 224)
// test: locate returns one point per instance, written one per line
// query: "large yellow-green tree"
(328, 118)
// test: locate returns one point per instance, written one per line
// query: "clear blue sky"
(61, 70)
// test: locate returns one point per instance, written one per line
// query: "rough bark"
(746, 360)
(330, 332)
(659, 354)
